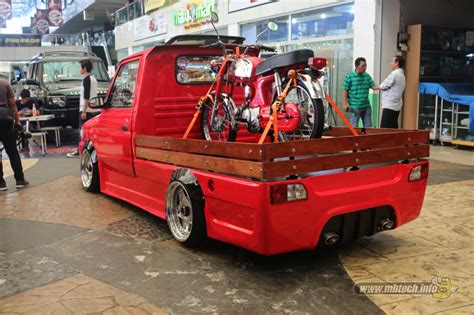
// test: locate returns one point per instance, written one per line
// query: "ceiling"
(99, 10)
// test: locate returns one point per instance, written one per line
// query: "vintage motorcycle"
(281, 80)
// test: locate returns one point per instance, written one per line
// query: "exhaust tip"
(386, 224)
(330, 238)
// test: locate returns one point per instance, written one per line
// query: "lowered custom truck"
(269, 198)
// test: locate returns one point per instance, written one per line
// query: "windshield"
(54, 72)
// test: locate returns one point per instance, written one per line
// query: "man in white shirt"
(88, 91)
(392, 91)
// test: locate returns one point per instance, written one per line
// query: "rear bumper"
(239, 211)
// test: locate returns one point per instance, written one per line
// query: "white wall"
(364, 32)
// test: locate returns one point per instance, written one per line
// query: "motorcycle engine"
(250, 116)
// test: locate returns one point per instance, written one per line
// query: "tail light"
(419, 172)
(317, 63)
(287, 193)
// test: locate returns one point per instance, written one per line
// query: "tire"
(89, 171)
(311, 111)
(185, 213)
(225, 129)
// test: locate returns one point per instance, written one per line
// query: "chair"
(57, 133)
(42, 137)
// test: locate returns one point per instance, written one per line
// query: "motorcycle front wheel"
(311, 111)
(222, 128)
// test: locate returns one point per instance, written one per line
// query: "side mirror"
(97, 102)
(214, 17)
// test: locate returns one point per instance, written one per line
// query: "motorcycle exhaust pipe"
(386, 224)
(330, 238)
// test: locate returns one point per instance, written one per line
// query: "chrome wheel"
(179, 211)
(87, 169)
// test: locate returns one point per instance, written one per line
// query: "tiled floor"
(440, 243)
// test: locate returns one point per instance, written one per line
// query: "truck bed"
(337, 149)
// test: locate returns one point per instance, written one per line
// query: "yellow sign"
(151, 5)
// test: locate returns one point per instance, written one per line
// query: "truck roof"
(199, 40)
(63, 55)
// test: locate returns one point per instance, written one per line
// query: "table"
(41, 134)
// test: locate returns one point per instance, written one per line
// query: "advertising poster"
(149, 25)
(55, 15)
(152, 5)
(14, 40)
(5, 12)
(40, 22)
(237, 5)
(193, 14)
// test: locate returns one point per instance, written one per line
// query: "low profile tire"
(185, 213)
(89, 171)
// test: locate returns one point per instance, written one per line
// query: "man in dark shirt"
(25, 104)
(8, 119)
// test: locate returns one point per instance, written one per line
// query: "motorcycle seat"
(283, 60)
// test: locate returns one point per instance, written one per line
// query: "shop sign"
(237, 5)
(194, 14)
(149, 25)
(152, 5)
(20, 40)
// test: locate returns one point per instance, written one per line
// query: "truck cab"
(55, 82)
(269, 198)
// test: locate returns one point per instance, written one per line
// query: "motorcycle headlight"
(57, 100)
(242, 68)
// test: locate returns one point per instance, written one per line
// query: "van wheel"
(89, 171)
(185, 213)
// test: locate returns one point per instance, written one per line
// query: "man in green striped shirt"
(356, 94)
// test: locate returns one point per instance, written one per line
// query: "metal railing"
(129, 13)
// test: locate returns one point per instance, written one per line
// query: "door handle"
(124, 128)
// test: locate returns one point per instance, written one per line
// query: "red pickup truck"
(269, 198)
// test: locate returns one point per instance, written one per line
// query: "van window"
(123, 90)
(195, 69)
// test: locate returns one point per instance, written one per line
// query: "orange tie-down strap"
(341, 115)
(204, 99)
(274, 117)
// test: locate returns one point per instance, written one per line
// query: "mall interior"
(65, 250)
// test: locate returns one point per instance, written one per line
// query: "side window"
(123, 90)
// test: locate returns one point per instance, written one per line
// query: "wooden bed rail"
(270, 160)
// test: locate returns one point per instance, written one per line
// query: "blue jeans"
(364, 113)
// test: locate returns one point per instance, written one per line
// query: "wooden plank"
(314, 164)
(256, 152)
(344, 131)
(245, 151)
(207, 163)
(334, 145)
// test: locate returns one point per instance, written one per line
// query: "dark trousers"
(8, 138)
(389, 118)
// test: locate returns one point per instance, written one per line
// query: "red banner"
(40, 22)
(55, 13)
(5, 12)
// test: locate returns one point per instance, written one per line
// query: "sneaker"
(3, 185)
(21, 183)
(73, 154)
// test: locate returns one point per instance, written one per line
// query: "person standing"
(88, 91)
(356, 94)
(393, 87)
(8, 119)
